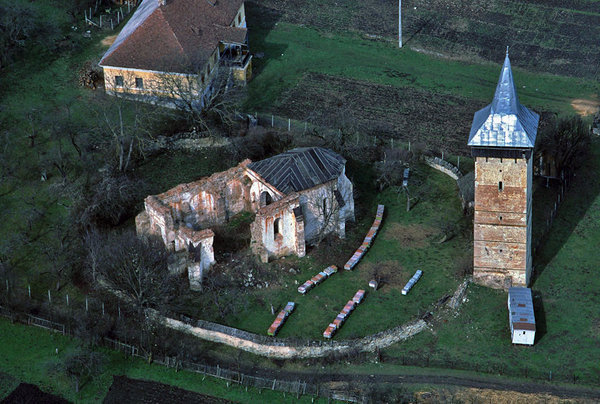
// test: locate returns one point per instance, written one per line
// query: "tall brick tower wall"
(502, 222)
(502, 138)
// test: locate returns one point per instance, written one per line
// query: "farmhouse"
(502, 139)
(297, 197)
(172, 50)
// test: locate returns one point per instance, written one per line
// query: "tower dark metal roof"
(505, 122)
(300, 169)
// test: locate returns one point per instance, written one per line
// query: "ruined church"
(502, 138)
(297, 197)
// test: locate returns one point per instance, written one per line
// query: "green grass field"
(292, 51)
(28, 354)
(42, 85)
(566, 298)
(402, 246)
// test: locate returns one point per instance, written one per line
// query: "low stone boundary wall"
(443, 166)
(286, 349)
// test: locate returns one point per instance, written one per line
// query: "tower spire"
(504, 122)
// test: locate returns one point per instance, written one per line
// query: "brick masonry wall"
(502, 221)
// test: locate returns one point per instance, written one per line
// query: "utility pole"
(399, 23)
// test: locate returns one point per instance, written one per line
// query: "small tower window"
(500, 186)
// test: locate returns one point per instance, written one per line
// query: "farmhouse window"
(500, 186)
(139, 82)
(119, 81)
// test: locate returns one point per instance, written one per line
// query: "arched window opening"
(265, 199)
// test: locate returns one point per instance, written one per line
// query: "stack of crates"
(412, 282)
(343, 315)
(280, 319)
(329, 331)
(318, 278)
(367, 241)
(359, 296)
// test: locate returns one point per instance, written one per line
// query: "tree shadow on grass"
(261, 20)
(582, 192)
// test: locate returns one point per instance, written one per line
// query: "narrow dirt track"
(483, 382)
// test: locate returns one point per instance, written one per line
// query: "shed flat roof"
(520, 309)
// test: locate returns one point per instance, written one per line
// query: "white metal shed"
(521, 316)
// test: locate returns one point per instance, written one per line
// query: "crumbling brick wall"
(276, 232)
(183, 215)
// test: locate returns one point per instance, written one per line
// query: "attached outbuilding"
(521, 316)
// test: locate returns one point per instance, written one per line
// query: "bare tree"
(136, 267)
(201, 97)
(124, 128)
(81, 366)
(325, 207)
(565, 141)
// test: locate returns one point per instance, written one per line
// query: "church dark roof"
(300, 169)
(505, 122)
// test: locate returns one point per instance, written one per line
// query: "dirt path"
(107, 41)
(486, 382)
(585, 107)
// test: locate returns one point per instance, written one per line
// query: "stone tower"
(502, 138)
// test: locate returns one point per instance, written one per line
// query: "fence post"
(7, 286)
(111, 24)
(458, 164)
(86, 304)
(29, 290)
(102, 308)
(67, 300)
(289, 124)
(409, 145)
(442, 154)
(49, 297)
(100, 20)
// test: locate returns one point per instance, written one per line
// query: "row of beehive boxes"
(344, 314)
(367, 241)
(280, 319)
(318, 278)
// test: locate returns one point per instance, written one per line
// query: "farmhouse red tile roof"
(177, 37)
